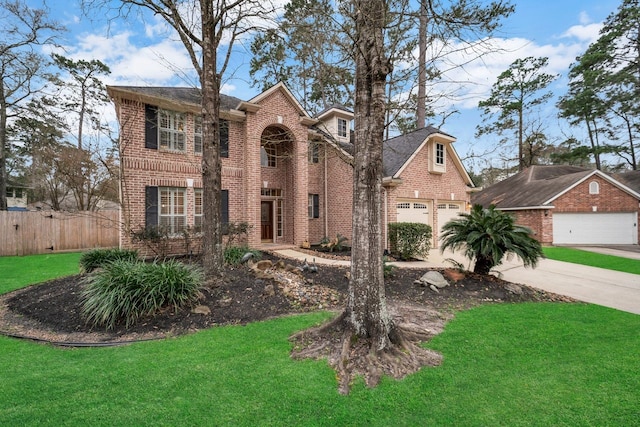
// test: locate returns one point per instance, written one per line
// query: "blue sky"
(141, 52)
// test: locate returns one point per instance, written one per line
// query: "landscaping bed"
(51, 311)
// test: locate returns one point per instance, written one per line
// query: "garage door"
(447, 212)
(411, 211)
(595, 228)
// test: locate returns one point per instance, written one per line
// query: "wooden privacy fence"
(28, 233)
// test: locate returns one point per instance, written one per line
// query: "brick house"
(568, 205)
(284, 172)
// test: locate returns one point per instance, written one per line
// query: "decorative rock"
(269, 291)
(201, 309)
(433, 278)
(263, 265)
(513, 288)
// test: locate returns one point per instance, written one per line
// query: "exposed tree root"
(352, 356)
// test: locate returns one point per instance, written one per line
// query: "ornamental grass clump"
(98, 258)
(124, 291)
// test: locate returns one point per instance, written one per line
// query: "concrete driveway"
(589, 284)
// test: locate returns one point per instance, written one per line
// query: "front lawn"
(593, 259)
(523, 364)
(505, 364)
(17, 272)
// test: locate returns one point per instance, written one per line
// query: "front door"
(266, 220)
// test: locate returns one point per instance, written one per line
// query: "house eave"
(390, 182)
(526, 208)
(162, 102)
(249, 107)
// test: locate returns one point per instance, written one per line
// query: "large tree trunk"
(3, 150)
(366, 305)
(211, 163)
(375, 340)
(421, 109)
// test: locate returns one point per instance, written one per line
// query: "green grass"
(515, 365)
(593, 259)
(17, 272)
(512, 365)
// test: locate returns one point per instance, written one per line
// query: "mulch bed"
(51, 311)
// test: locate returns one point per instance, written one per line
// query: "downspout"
(385, 221)
(326, 196)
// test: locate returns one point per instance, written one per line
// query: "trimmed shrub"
(126, 291)
(487, 235)
(233, 254)
(409, 240)
(98, 258)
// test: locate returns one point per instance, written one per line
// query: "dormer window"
(437, 157)
(342, 128)
(439, 154)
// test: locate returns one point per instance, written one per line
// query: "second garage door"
(595, 228)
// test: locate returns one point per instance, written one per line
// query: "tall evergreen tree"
(21, 66)
(515, 95)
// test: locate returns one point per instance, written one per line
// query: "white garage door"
(595, 228)
(413, 212)
(447, 212)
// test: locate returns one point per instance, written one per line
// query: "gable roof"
(398, 151)
(283, 88)
(337, 109)
(538, 186)
(186, 96)
(631, 179)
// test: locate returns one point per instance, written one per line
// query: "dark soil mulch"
(51, 311)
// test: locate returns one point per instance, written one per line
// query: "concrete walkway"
(589, 284)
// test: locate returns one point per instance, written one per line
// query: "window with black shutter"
(224, 202)
(314, 206)
(151, 206)
(151, 127)
(224, 138)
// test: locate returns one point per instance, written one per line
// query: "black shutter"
(224, 138)
(224, 203)
(151, 127)
(316, 206)
(151, 206)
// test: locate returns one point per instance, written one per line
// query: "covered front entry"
(266, 220)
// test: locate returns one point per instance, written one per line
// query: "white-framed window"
(594, 187)
(268, 156)
(171, 128)
(197, 210)
(197, 134)
(342, 128)
(439, 154)
(419, 206)
(314, 206)
(403, 205)
(173, 209)
(314, 152)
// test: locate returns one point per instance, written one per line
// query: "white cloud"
(472, 82)
(586, 33)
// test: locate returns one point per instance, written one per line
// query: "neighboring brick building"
(568, 205)
(284, 172)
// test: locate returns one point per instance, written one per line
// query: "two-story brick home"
(284, 172)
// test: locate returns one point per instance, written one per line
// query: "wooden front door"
(266, 220)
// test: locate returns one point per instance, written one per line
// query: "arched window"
(594, 187)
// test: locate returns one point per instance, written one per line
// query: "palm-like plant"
(487, 235)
